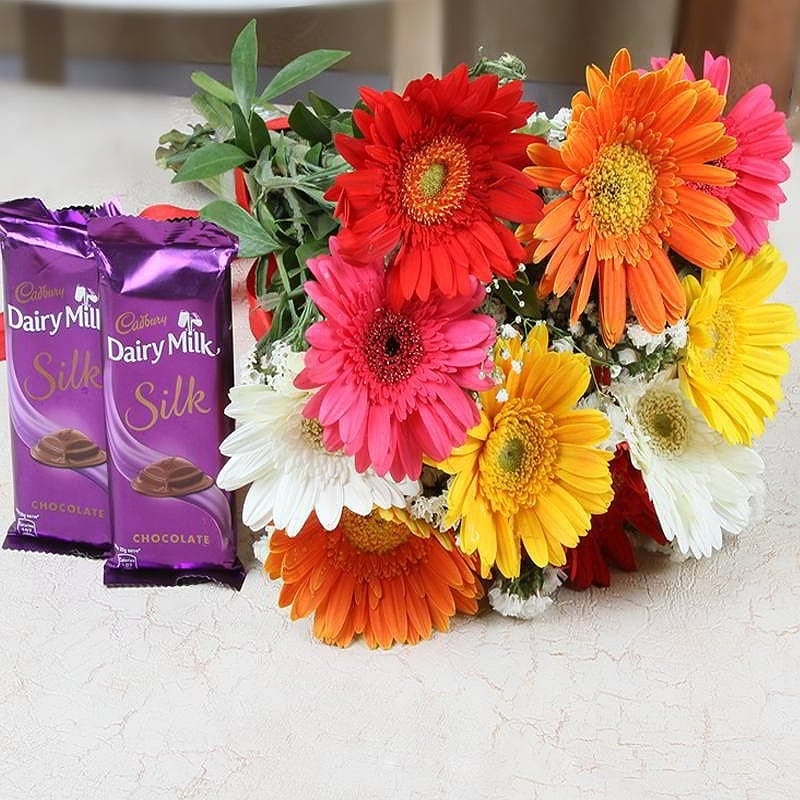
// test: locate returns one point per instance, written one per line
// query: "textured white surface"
(679, 682)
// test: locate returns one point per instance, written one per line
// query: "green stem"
(287, 287)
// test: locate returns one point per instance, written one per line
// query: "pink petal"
(754, 103)
(717, 71)
(379, 438)
(353, 425)
(338, 399)
(774, 171)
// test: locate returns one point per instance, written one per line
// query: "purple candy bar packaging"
(58, 438)
(168, 366)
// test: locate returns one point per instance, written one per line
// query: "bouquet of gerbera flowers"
(494, 349)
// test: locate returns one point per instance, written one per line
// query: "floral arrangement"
(497, 352)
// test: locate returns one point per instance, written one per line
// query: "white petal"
(357, 495)
(302, 511)
(258, 504)
(290, 491)
(329, 504)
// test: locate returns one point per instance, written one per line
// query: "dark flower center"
(392, 347)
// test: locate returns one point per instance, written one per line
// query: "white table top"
(680, 681)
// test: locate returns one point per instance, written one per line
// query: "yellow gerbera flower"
(735, 356)
(530, 470)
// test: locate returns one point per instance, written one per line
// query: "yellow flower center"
(312, 432)
(620, 186)
(663, 418)
(718, 359)
(373, 534)
(519, 457)
(435, 180)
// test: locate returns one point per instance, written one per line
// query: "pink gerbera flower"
(394, 384)
(762, 141)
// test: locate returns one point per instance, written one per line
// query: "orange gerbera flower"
(383, 576)
(635, 149)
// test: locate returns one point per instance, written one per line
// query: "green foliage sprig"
(286, 172)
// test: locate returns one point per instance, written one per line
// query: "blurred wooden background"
(402, 38)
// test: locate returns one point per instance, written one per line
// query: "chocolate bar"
(168, 366)
(58, 438)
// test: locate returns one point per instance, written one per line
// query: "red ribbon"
(260, 319)
(162, 211)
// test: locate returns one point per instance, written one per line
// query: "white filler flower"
(513, 605)
(281, 453)
(699, 484)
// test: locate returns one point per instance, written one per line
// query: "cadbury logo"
(130, 322)
(27, 292)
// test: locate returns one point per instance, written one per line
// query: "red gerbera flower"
(436, 170)
(607, 542)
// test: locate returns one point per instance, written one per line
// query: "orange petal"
(645, 297)
(585, 283)
(613, 302)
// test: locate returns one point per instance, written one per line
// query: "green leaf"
(211, 160)
(343, 123)
(242, 131)
(323, 225)
(253, 239)
(264, 216)
(215, 111)
(244, 66)
(520, 297)
(309, 250)
(269, 301)
(302, 69)
(279, 162)
(309, 126)
(258, 133)
(314, 155)
(214, 87)
(322, 108)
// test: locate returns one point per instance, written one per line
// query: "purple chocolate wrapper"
(168, 366)
(58, 438)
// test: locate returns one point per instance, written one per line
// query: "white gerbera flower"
(280, 452)
(699, 484)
